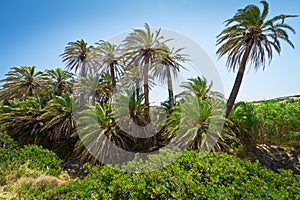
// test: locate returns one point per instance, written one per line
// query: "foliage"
(79, 56)
(57, 117)
(60, 81)
(97, 130)
(250, 26)
(268, 122)
(214, 176)
(6, 141)
(198, 123)
(20, 119)
(40, 110)
(245, 124)
(198, 118)
(22, 162)
(21, 82)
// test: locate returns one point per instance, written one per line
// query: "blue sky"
(35, 32)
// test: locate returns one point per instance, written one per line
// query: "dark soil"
(73, 168)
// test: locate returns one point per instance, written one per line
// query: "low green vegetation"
(267, 122)
(22, 162)
(29, 165)
(214, 176)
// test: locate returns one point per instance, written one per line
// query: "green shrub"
(268, 122)
(6, 141)
(25, 161)
(214, 176)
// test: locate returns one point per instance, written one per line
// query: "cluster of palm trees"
(38, 107)
(50, 107)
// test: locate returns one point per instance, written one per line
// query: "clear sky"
(35, 32)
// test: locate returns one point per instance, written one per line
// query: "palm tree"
(21, 82)
(57, 117)
(196, 121)
(97, 130)
(251, 38)
(78, 56)
(88, 85)
(105, 89)
(61, 80)
(20, 119)
(128, 109)
(200, 87)
(143, 47)
(132, 79)
(170, 63)
(110, 56)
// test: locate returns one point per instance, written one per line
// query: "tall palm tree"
(143, 47)
(60, 80)
(250, 38)
(21, 82)
(169, 64)
(78, 56)
(109, 57)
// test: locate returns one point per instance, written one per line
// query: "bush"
(25, 161)
(6, 141)
(268, 122)
(214, 176)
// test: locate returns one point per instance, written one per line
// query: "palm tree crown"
(61, 80)
(78, 56)
(58, 117)
(21, 82)
(110, 56)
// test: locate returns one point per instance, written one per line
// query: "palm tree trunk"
(112, 74)
(83, 68)
(146, 89)
(137, 88)
(82, 75)
(94, 99)
(59, 89)
(170, 87)
(30, 92)
(238, 79)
